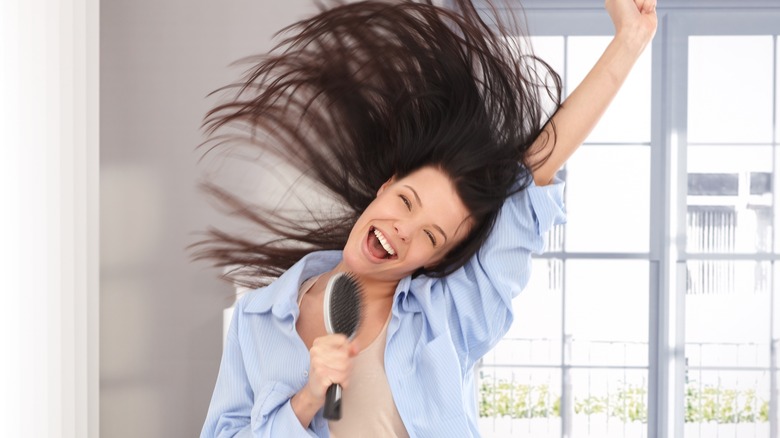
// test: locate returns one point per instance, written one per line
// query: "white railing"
(520, 390)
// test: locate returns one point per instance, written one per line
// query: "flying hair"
(366, 91)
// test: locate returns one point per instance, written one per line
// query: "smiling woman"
(398, 234)
(429, 128)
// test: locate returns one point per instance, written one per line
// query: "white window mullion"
(667, 361)
(773, 393)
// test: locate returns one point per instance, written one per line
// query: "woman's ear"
(385, 185)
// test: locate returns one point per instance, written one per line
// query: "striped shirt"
(439, 328)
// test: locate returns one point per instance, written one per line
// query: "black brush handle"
(333, 403)
(342, 310)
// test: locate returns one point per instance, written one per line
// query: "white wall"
(160, 314)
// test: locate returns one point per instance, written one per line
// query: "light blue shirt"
(438, 330)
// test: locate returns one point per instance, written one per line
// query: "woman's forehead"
(436, 193)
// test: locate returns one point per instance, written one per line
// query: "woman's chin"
(355, 262)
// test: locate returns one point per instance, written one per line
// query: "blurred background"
(161, 314)
(653, 313)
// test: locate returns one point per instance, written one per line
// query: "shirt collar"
(281, 295)
(280, 298)
(405, 297)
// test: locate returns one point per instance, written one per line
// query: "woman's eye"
(431, 237)
(406, 202)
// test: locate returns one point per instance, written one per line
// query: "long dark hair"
(365, 91)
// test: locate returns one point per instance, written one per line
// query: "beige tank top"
(367, 406)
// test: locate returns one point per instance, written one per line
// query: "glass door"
(728, 144)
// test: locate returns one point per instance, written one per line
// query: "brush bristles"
(345, 306)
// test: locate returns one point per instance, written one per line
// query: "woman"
(430, 132)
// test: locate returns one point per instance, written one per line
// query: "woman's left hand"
(633, 19)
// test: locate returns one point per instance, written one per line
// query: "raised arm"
(635, 23)
(480, 294)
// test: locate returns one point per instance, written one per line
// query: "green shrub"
(504, 399)
(631, 404)
(723, 405)
(628, 404)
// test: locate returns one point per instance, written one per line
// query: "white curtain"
(49, 218)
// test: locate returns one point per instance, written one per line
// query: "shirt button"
(305, 374)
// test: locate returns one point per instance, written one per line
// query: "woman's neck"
(373, 290)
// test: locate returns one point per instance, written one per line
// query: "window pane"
(609, 403)
(607, 311)
(727, 403)
(519, 402)
(775, 315)
(550, 50)
(535, 335)
(729, 199)
(729, 89)
(515, 400)
(608, 199)
(727, 311)
(774, 185)
(628, 117)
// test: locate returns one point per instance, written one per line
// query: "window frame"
(667, 256)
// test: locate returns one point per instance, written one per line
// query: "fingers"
(331, 360)
(635, 20)
(645, 6)
(331, 348)
(621, 7)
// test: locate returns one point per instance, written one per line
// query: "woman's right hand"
(331, 359)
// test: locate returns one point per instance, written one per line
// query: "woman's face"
(412, 223)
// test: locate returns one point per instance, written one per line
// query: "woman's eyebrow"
(417, 197)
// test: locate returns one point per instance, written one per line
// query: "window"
(655, 309)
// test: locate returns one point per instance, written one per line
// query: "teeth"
(383, 241)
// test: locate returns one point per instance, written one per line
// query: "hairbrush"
(342, 308)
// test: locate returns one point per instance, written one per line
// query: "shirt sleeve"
(238, 411)
(480, 293)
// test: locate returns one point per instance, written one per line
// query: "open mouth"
(379, 246)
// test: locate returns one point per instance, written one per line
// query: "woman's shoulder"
(281, 293)
(532, 211)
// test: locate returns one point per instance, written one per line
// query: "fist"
(331, 358)
(633, 18)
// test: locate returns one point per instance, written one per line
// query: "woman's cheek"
(422, 258)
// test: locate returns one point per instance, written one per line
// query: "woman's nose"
(401, 230)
